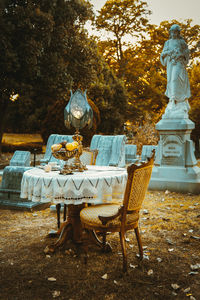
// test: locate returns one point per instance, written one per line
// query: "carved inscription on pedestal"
(172, 151)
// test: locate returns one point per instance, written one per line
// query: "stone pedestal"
(175, 167)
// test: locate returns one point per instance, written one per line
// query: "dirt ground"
(169, 226)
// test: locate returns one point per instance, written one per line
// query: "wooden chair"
(88, 157)
(115, 218)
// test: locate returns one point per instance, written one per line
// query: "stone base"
(176, 179)
(23, 205)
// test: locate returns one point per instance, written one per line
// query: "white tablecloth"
(96, 185)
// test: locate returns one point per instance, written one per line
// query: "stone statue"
(175, 56)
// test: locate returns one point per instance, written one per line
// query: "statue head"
(175, 31)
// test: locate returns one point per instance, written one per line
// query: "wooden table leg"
(71, 229)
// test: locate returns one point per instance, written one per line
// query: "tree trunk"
(3, 110)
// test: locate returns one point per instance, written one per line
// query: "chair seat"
(89, 216)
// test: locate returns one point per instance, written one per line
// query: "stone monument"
(175, 164)
(21, 158)
(10, 187)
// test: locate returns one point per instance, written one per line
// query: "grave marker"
(21, 158)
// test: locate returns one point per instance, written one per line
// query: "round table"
(98, 184)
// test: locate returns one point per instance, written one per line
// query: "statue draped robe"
(175, 56)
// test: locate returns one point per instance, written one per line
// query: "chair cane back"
(88, 156)
(115, 218)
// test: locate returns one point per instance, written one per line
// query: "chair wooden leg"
(65, 212)
(139, 242)
(123, 245)
(58, 214)
(104, 241)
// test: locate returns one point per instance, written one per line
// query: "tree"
(151, 48)
(121, 18)
(144, 77)
(194, 103)
(109, 94)
(38, 39)
(68, 60)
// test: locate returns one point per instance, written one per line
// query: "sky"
(166, 10)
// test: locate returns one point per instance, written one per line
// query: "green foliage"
(122, 18)
(45, 52)
(143, 75)
(53, 56)
(110, 96)
(194, 103)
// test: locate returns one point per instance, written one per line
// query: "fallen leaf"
(175, 286)
(47, 250)
(169, 242)
(159, 259)
(171, 249)
(195, 237)
(56, 294)
(133, 266)
(145, 257)
(150, 272)
(186, 290)
(195, 267)
(193, 273)
(51, 279)
(105, 276)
